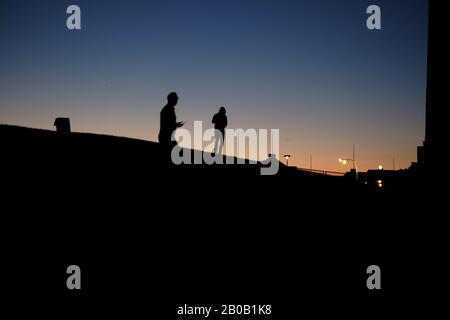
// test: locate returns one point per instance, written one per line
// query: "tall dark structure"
(425, 154)
(432, 154)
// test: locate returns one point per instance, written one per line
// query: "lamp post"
(287, 156)
(353, 160)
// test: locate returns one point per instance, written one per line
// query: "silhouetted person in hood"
(168, 121)
(220, 123)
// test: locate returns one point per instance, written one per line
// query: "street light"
(287, 156)
(345, 161)
(380, 167)
(353, 160)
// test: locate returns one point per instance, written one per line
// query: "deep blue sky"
(308, 67)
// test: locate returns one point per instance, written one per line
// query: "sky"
(309, 68)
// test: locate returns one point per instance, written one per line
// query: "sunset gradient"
(309, 68)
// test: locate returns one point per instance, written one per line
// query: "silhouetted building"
(353, 175)
(62, 125)
(420, 155)
(433, 146)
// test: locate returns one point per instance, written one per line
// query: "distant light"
(287, 156)
(380, 167)
(344, 161)
(340, 160)
(380, 183)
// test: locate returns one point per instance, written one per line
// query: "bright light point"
(344, 161)
(287, 156)
(340, 160)
(380, 167)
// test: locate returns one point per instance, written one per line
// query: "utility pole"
(353, 157)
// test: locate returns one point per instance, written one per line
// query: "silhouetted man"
(168, 122)
(220, 123)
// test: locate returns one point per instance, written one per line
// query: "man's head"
(222, 110)
(172, 99)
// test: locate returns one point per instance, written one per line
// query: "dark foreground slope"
(149, 237)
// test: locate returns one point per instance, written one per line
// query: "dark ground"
(150, 238)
